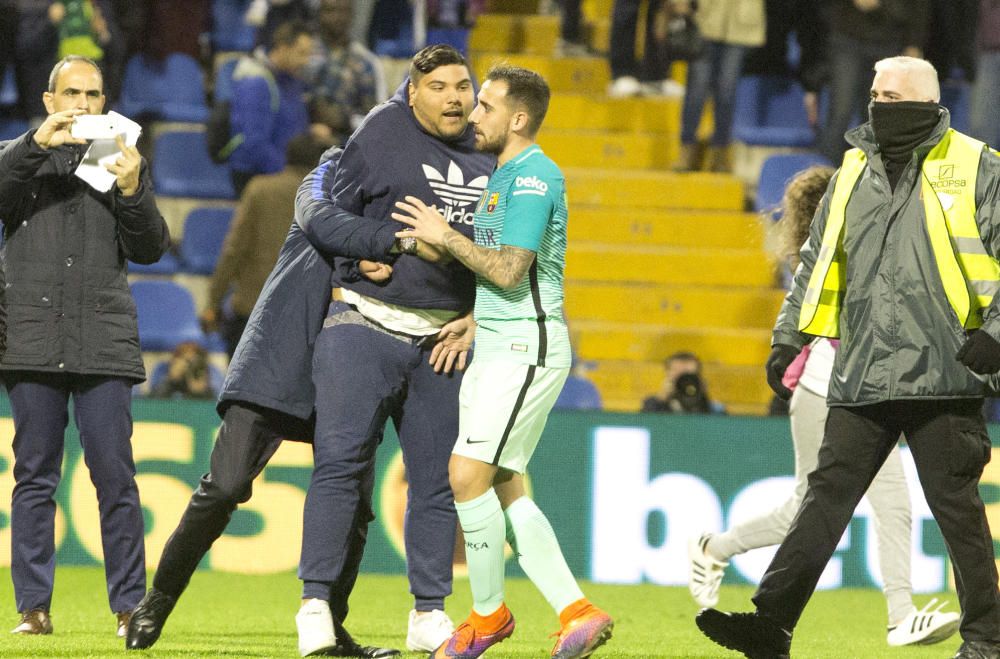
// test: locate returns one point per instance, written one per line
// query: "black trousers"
(247, 439)
(950, 447)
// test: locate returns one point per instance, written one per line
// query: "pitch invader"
(521, 360)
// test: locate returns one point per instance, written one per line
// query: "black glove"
(981, 353)
(778, 362)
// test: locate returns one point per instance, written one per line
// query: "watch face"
(408, 245)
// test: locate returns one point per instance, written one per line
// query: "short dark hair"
(287, 33)
(526, 88)
(69, 59)
(433, 57)
(304, 150)
(682, 356)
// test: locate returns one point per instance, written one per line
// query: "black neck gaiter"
(901, 127)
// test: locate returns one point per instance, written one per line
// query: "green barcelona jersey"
(524, 205)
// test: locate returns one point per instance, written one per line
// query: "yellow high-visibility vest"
(948, 189)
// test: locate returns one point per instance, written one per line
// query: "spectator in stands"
(571, 41)
(34, 52)
(257, 232)
(983, 123)
(157, 29)
(683, 390)
(267, 105)
(861, 33)
(730, 27)
(807, 23)
(579, 393)
(267, 15)
(89, 28)
(345, 79)
(72, 333)
(188, 374)
(627, 74)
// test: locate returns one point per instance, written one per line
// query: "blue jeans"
(365, 376)
(852, 68)
(986, 99)
(102, 412)
(718, 70)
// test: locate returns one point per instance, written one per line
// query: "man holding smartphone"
(72, 332)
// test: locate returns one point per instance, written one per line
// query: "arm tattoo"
(505, 267)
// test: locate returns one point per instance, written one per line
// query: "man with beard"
(522, 359)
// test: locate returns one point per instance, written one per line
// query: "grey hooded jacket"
(899, 335)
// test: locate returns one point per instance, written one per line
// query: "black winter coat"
(69, 308)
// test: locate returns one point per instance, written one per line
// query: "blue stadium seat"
(182, 168)
(578, 394)
(11, 128)
(769, 112)
(204, 232)
(170, 90)
(956, 96)
(775, 173)
(8, 87)
(166, 315)
(229, 31)
(167, 265)
(223, 90)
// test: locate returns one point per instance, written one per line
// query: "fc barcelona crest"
(492, 203)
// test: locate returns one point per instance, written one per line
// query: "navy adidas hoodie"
(390, 156)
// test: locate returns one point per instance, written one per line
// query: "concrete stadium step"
(515, 33)
(676, 228)
(600, 148)
(600, 262)
(628, 341)
(653, 114)
(624, 384)
(653, 189)
(517, 6)
(582, 75)
(689, 307)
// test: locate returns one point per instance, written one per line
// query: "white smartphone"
(95, 127)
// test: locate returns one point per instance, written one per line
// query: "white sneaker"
(315, 624)
(925, 626)
(705, 573)
(427, 631)
(624, 86)
(667, 88)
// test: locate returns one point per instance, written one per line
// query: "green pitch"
(223, 615)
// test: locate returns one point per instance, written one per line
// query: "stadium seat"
(166, 315)
(169, 90)
(182, 168)
(229, 31)
(775, 173)
(578, 394)
(769, 112)
(223, 89)
(8, 87)
(204, 232)
(956, 96)
(11, 128)
(167, 265)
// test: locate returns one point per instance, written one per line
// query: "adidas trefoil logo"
(454, 192)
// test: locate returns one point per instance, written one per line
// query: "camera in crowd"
(690, 396)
